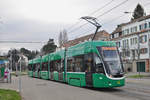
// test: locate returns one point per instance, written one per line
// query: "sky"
(39, 20)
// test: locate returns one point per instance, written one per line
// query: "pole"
(11, 62)
(20, 77)
(95, 32)
(65, 65)
(94, 22)
(149, 49)
(138, 53)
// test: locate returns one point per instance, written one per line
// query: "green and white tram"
(89, 64)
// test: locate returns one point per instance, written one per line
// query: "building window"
(127, 53)
(135, 40)
(131, 41)
(127, 31)
(143, 39)
(112, 36)
(135, 28)
(123, 33)
(145, 25)
(149, 24)
(125, 43)
(133, 54)
(131, 30)
(143, 50)
(140, 27)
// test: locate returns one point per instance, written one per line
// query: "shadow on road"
(105, 89)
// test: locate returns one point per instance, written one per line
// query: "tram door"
(60, 70)
(88, 78)
(51, 70)
(88, 63)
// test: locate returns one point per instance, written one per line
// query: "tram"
(89, 64)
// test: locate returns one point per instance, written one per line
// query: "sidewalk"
(137, 73)
(140, 81)
(145, 80)
(144, 74)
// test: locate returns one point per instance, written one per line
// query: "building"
(133, 41)
(101, 35)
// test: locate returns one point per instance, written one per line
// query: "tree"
(49, 47)
(138, 12)
(28, 53)
(14, 55)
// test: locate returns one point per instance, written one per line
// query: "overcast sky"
(39, 20)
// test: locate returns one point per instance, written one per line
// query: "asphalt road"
(37, 89)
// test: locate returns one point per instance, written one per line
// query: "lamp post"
(94, 22)
(20, 61)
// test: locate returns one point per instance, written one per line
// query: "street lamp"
(94, 22)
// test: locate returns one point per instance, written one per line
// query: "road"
(37, 89)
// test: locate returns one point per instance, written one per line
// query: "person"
(7, 74)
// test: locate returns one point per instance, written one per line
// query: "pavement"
(38, 89)
(147, 74)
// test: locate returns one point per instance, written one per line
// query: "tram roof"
(82, 48)
(36, 60)
(30, 61)
(57, 55)
(45, 58)
(87, 47)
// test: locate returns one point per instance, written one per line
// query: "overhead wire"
(102, 14)
(147, 4)
(92, 13)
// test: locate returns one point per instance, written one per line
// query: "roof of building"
(137, 20)
(101, 35)
(118, 29)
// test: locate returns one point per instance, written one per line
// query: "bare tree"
(60, 39)
(64, 36)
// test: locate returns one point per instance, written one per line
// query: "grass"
(137, 76)
(9, 95)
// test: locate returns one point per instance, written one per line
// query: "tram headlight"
(110, 76)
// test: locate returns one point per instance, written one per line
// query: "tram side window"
(98, 64)
(45, 66)
(57, 65)
(78, 63)
(34, 67)
(51, 66)
(62, 65)
(30, 67)
(88, 63)
(37, 67)
(70, 65)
